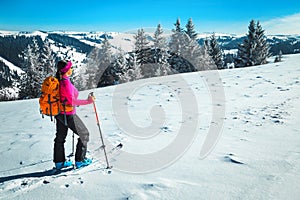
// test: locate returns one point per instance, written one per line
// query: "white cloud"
(284, 25)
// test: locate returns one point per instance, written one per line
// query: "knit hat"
(63, 66)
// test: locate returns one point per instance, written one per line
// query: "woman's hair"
(60, 65)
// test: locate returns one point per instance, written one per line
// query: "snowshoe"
(60, 165)
(83, 163)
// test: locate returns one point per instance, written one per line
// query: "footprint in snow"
(78, 182)
(65, 185)
(233, 159)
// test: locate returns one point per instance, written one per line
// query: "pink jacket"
(69, 95)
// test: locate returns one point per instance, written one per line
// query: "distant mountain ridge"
(85, 41)
(77, 45)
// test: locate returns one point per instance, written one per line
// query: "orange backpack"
(50, 99)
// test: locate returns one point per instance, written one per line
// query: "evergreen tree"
(141, 46)
(133, 68)
(39, 62)
(47, 59)
(201, 58)
(178, 26)
(142, 53)
(87, 74)
(161, 54)
(121, 66)
(215, 52)
(106, 74)
(190, 30)
(254, 50)
(262, 47)
(246, 49)
(97, 72)
(179, 48)
(31, 80)
(206, 44)
(141, 41)
(176, 43)
(159, 42)
(187, 54)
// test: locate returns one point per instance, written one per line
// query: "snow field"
(257, 155)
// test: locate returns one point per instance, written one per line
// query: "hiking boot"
(83, 163)
(60, 165)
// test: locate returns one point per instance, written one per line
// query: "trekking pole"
(98, 123)
(73, 141)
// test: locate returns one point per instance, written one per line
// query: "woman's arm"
(80, 102)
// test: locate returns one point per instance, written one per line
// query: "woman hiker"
(68, 119)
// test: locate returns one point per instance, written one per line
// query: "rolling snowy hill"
(252, 142)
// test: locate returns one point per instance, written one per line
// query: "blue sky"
(231, 16)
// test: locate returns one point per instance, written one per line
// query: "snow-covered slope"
(256, 154)
(11, 66)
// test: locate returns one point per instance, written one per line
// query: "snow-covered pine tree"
(161, 54)
(175, 43)
(206, 44)
(47, 59)
(159, 42)
(141, 44)
(178, 26)
(262, 47)
(96, 72)
(201, 58)
(31, 80)
(143, 53)
(198, 57)
(215, 52)
(254, 50)
(87, 74)
(8, 93)
(106, 74)
(141, 41)
(180, 48)
(190, 30)
(121, 66)
(133, 68)
(246, 49)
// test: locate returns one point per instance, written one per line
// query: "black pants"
(78, 127)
